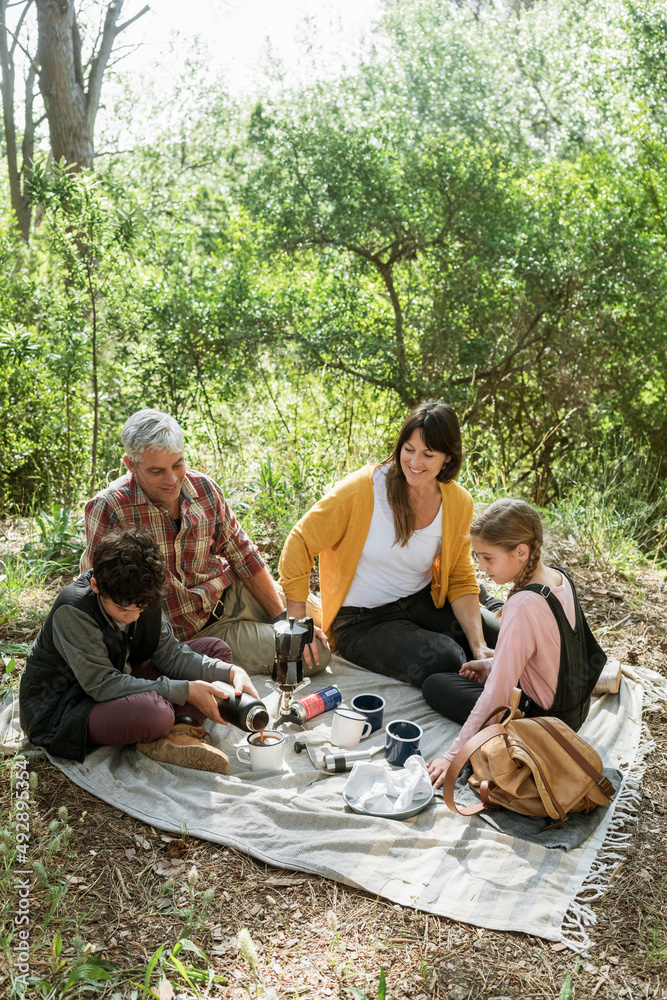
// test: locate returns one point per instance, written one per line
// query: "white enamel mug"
(348, 727)
(267, 756)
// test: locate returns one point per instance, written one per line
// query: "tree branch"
(126, 24)
(99, 61)
(19, 25)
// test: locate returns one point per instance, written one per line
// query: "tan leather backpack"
(536, 766)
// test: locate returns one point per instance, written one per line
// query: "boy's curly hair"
(129, 568)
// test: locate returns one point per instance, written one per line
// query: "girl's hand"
(475, 670)
(240, 681)
(437, 769)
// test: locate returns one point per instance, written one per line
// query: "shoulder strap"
(604, 784)
(459, 762)
(557, 609)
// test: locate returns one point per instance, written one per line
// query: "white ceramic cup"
(263, 756)
(348, 727)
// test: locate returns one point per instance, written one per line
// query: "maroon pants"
(145, 717)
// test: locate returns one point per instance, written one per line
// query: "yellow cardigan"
(336, 529)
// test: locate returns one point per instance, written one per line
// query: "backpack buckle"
(606, 787)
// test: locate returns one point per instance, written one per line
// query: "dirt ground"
(130, 889)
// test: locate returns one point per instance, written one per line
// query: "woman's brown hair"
(439, 427)
(506, 524)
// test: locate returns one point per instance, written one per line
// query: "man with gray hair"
(217, 583)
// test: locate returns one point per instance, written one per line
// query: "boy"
(106, 670)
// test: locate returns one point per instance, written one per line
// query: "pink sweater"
(528, 650)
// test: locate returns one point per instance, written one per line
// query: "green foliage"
(656, 942)
(169, 964)
(362, 995)
(566, 991)
(615, 507)
(60, 541)
(475, 211)
(457, 225)
(20, 576)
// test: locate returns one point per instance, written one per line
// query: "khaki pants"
(246, 627)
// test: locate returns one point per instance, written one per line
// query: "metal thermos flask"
(344, 760)
(243, 711)
(314, 704)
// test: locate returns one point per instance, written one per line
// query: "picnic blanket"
(437, 861)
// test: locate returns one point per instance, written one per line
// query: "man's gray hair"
(150, 429)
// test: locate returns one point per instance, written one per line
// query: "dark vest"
(54, 707)
(581, 662)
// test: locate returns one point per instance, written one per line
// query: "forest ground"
(117, 889)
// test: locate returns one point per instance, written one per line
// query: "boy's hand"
(205, 697)
(240, 681)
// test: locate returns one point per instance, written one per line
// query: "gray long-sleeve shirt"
(79, 641)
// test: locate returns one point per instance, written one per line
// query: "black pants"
(409, 639)
(452, 695)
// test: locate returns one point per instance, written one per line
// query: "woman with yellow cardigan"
(399, 594)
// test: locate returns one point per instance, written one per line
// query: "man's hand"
(205, 697)
(311, 654)
(437, 769)
(240, 681)
(475, 670)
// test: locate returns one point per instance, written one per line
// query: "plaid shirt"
(210, 551)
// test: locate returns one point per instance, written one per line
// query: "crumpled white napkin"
(369, 785)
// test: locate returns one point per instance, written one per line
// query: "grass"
(32, 571)
(617, 512)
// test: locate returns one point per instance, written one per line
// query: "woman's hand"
(475, 670)
(240, 681)
(311, 654)
(437, 770)
(482, 652)
(205, 697)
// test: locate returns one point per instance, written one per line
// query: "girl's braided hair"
(508, 523)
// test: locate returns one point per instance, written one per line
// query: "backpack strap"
(604, 784)
(581, 659)
(459, 762)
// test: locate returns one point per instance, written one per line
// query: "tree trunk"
(17, 174)
(61, 82)
(71, 102)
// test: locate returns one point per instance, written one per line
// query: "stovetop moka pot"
(291, 638)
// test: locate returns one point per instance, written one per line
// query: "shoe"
(187, 746)
(490, 603)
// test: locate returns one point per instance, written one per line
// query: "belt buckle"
(218, 611)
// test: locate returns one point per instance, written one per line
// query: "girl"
(544, 645)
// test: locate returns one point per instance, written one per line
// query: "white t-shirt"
(387, 571)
